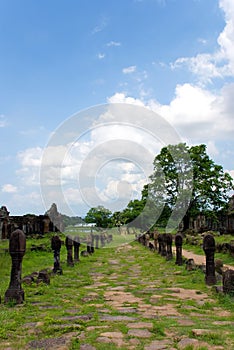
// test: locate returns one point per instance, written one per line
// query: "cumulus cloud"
(9, 188)
(31, 157)
(220, 63)
(199, 114)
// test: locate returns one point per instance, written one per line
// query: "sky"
(63, 64)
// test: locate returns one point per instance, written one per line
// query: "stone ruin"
(56, 222)
(31, 224)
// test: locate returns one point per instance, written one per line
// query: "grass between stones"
(119, 298)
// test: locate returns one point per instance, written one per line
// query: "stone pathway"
(132, 311)
(122, 305)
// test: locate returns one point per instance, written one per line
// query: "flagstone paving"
(128, 310)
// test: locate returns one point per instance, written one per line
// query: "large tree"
(100, 216)
(189, 182)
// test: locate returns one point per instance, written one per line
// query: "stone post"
(56, 246)
(17, 247)
(69, 246)
(209, 249)
(178, 244)
(76, 244)
(169, 255)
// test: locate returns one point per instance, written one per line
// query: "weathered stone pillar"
(56, 246)
(178, 244)
(76, 244)
(169, 254)
(228, 282)
(209, 249)
(69, 246)
(17, 247)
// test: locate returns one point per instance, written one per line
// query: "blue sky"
(60, 57)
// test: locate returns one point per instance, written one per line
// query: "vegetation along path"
(120, 298)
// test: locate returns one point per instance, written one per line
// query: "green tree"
(100, 216)
(189, 182)
(139, 213)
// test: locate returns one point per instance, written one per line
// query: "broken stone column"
(56, 246)
(209, 249)
(178, 244)
(228, 282)
(69, 246)
(17, 247)
(76, 245)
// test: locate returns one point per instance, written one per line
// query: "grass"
(76, 301)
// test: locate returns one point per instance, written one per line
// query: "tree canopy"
(100, 216)
(189, 181)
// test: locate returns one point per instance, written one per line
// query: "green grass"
(76, 300)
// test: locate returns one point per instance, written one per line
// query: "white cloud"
(31, 157)
(129, 70)
(199, 114)
(120, 97)
(220, 63)
(9, 188)
(101, 56)
(113, 43)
